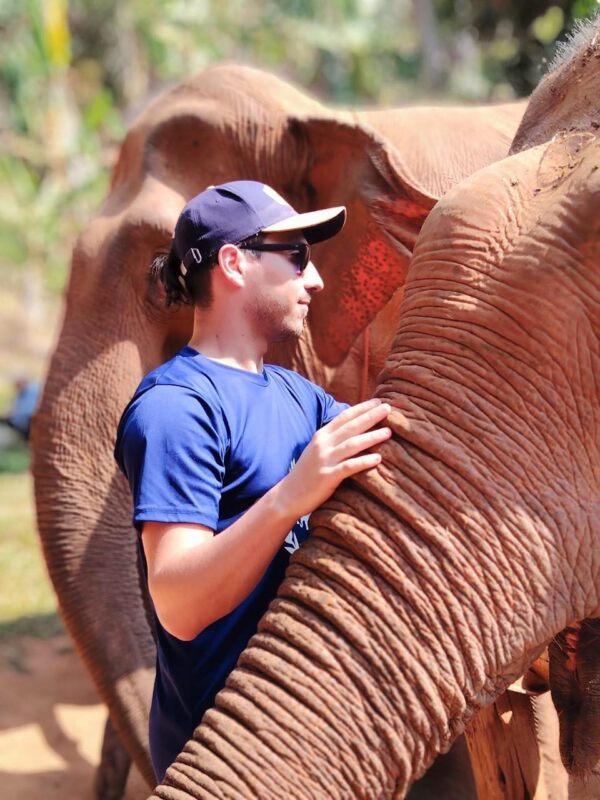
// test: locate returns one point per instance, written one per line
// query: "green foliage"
(14, 458)
(582, 9)
(27, 602)
(548, 25)
(76, 71)
(54, 141)
(42, 626)
(515, 39)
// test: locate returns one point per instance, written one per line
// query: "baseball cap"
(232, 212)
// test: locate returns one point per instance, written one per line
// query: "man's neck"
(225, 338)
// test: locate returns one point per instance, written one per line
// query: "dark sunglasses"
(299, 251)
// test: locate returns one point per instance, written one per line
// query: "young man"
(216, 442)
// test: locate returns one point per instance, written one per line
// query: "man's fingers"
(353, 412)
(360, 423)
(360, 464)
(356, 444)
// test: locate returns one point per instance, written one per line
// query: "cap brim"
(315, 225)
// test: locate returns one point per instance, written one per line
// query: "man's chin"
(290, 334)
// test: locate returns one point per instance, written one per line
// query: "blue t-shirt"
(200, 442)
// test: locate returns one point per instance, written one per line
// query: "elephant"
(388, 167)
(430, 583)
(566, 104)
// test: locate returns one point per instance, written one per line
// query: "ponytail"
(167, 267)
(190, 286)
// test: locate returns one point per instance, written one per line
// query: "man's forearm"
(200, 582)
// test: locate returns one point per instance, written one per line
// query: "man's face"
(279, 293)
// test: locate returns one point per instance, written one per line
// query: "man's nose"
(313, 282)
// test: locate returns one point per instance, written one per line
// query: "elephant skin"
(566, 100)
(430, 584)
(575, 685)
(229, 122)
(566, 106)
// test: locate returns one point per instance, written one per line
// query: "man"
(216, 442)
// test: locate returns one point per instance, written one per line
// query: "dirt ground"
(51, 723)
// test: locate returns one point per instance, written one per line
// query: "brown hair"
(195, 286)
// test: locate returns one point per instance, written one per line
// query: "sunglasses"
(299, 252)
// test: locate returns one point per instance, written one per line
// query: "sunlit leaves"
(74, 72)
(56, 32)
(546, 27)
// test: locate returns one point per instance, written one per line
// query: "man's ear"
(231, 266)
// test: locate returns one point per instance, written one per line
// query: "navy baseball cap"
(232, 212)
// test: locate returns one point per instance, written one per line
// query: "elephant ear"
(350, 164)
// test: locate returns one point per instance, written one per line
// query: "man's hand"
(332, 455)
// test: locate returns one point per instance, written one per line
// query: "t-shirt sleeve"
(171, 445)
(329, 408)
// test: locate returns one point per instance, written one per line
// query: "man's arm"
(196, 578)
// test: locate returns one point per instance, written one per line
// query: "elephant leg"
(587, 788)
(575, 686)
(514, 750)
(556, 779)
(553, 779)
(112, 772)
(450, 777)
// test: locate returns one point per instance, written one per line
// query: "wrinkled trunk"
(367, 665)
(84, 512)
(393, 626)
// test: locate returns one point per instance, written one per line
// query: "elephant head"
(229, 122)
(566, 108)
(566, 100)
(430, 583)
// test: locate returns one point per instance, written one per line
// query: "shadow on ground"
(51, 722)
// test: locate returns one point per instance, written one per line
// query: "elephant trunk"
(385, 638)
(83, 513)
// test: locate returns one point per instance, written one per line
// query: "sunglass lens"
(302, 256)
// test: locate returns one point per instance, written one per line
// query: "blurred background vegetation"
(75, 73)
